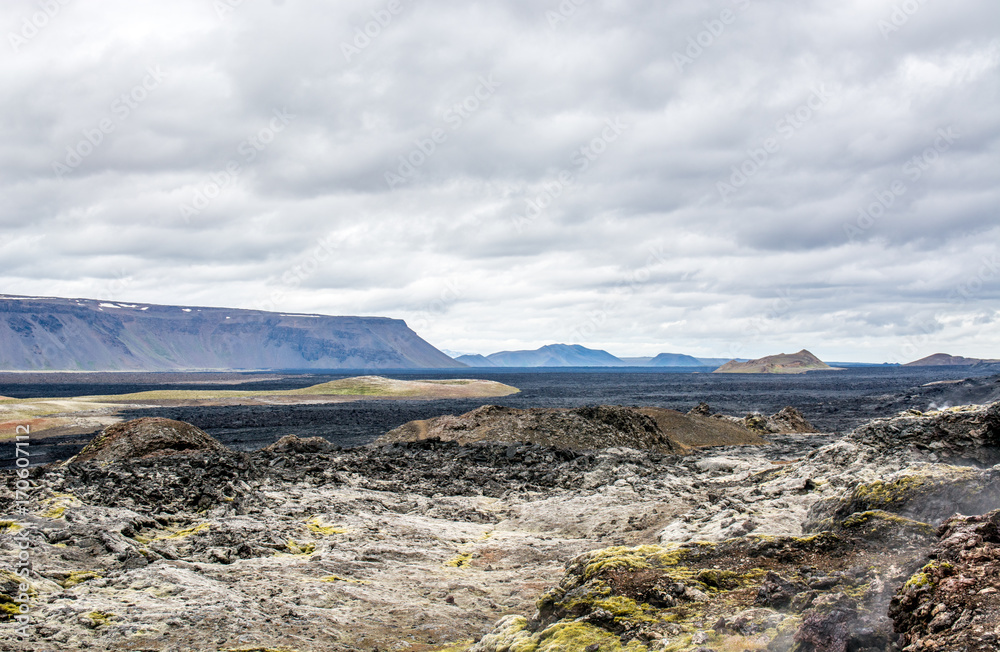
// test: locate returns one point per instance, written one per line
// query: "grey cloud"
(309, 222)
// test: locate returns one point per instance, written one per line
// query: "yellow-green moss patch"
(337, 578)
(316, 526)
(9, 527)
(100, 618)
(296, 548)
(79, 577)
(175, 534)
(463, 560)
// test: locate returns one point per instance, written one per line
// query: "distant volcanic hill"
(794, 363)
(87, 335)
(555, 355)
(943, 359)
(675, 360)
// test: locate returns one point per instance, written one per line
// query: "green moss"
(79, 577)
(100, 618)
(873, 521)
(9, 527)
(8, 608)
(574, 637)
(175, 534)
(925, 576)
(296, 548)
(885, 494)
(461, 646)
(316, 527)
(464, 560)
(197, 529)
(630, 559)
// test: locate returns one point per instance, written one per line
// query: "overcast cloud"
(639, 176)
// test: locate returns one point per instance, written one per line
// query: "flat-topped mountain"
(943, 359)
(783, 363)
(39, 333)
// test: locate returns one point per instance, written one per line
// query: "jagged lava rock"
(147, 437)
(295, 444)
(966, 435)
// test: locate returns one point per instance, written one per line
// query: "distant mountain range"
(943, 359)
(575, 355)
(783, 363)
(39, 333)
(552, 355)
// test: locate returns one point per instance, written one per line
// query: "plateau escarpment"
(81, 334)
(807, 542)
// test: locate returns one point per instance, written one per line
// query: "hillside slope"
(87, 335)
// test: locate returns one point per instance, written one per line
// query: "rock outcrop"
(953, 602)
(586, 428)
(147, 437)
(961, 435)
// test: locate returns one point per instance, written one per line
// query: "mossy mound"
(751, 593)
(147, 437)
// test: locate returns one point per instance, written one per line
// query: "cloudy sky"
(725, 178)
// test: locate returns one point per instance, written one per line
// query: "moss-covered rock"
(929, 494)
